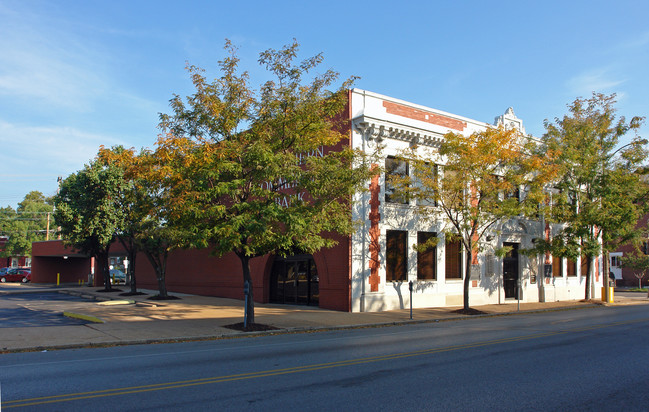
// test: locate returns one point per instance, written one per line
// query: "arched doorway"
(294, 280)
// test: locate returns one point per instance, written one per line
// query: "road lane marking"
(296, 369)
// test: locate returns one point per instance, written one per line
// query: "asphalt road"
(589, 359)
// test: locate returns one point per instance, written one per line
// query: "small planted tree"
(146, 225)
(599, 194)
(133, 202)
(88, 212)
(473, 182)
(638, 262)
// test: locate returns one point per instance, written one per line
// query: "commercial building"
(371, 270)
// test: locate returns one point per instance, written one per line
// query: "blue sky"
(78, 74)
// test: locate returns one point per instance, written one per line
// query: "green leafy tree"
(261, 171)
(133, 201)
(145, 226)
(7, 229)
(158, 234)
(30, 222)
(599, 196)
(88, 211)
(638, 262)
(473, 182)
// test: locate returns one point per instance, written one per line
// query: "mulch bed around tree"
(132, 294)
(252, 327)
(109, 291)
(158, 297)
(469, 311)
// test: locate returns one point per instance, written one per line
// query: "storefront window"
(397, 260)
(426, 267)
(453, 260)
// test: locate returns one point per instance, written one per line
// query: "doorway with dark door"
(511, 271)
(294, 280)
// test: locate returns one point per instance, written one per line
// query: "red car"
(16, 275)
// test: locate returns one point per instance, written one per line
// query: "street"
(588, 359)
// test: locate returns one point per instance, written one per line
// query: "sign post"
(410, 287)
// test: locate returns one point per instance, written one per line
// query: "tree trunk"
(162, 286)
(102, 260)
(467, 278)
(159, 264)
(131, 271)
(589, 265)
(250, 301)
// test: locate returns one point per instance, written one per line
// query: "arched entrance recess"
(294, 279)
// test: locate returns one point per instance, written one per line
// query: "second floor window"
(427, 180)
(394, 169)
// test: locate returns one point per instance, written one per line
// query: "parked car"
(117, 276)
(23, 275)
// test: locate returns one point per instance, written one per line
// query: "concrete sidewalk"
(136, 319)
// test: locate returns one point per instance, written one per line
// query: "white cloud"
(33, 157)
(596, 80)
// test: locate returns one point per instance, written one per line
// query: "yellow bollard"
(58, 279)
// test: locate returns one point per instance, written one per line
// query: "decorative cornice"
(378, 130)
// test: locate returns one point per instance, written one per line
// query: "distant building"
(626, 276)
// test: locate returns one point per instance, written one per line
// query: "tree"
(474, 182)
(88, 211)
(598, 197)
(132, 201)
(145, 225)
(30, 222)
(258, 172)
(157, 234)
(639, 263)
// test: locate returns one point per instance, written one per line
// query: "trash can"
(610, 294)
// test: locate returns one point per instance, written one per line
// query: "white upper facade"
(384, 117)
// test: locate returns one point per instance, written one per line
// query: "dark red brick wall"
(197, 272)
(50, 258)
(628, 276)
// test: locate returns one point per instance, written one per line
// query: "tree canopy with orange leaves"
(472, 182)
